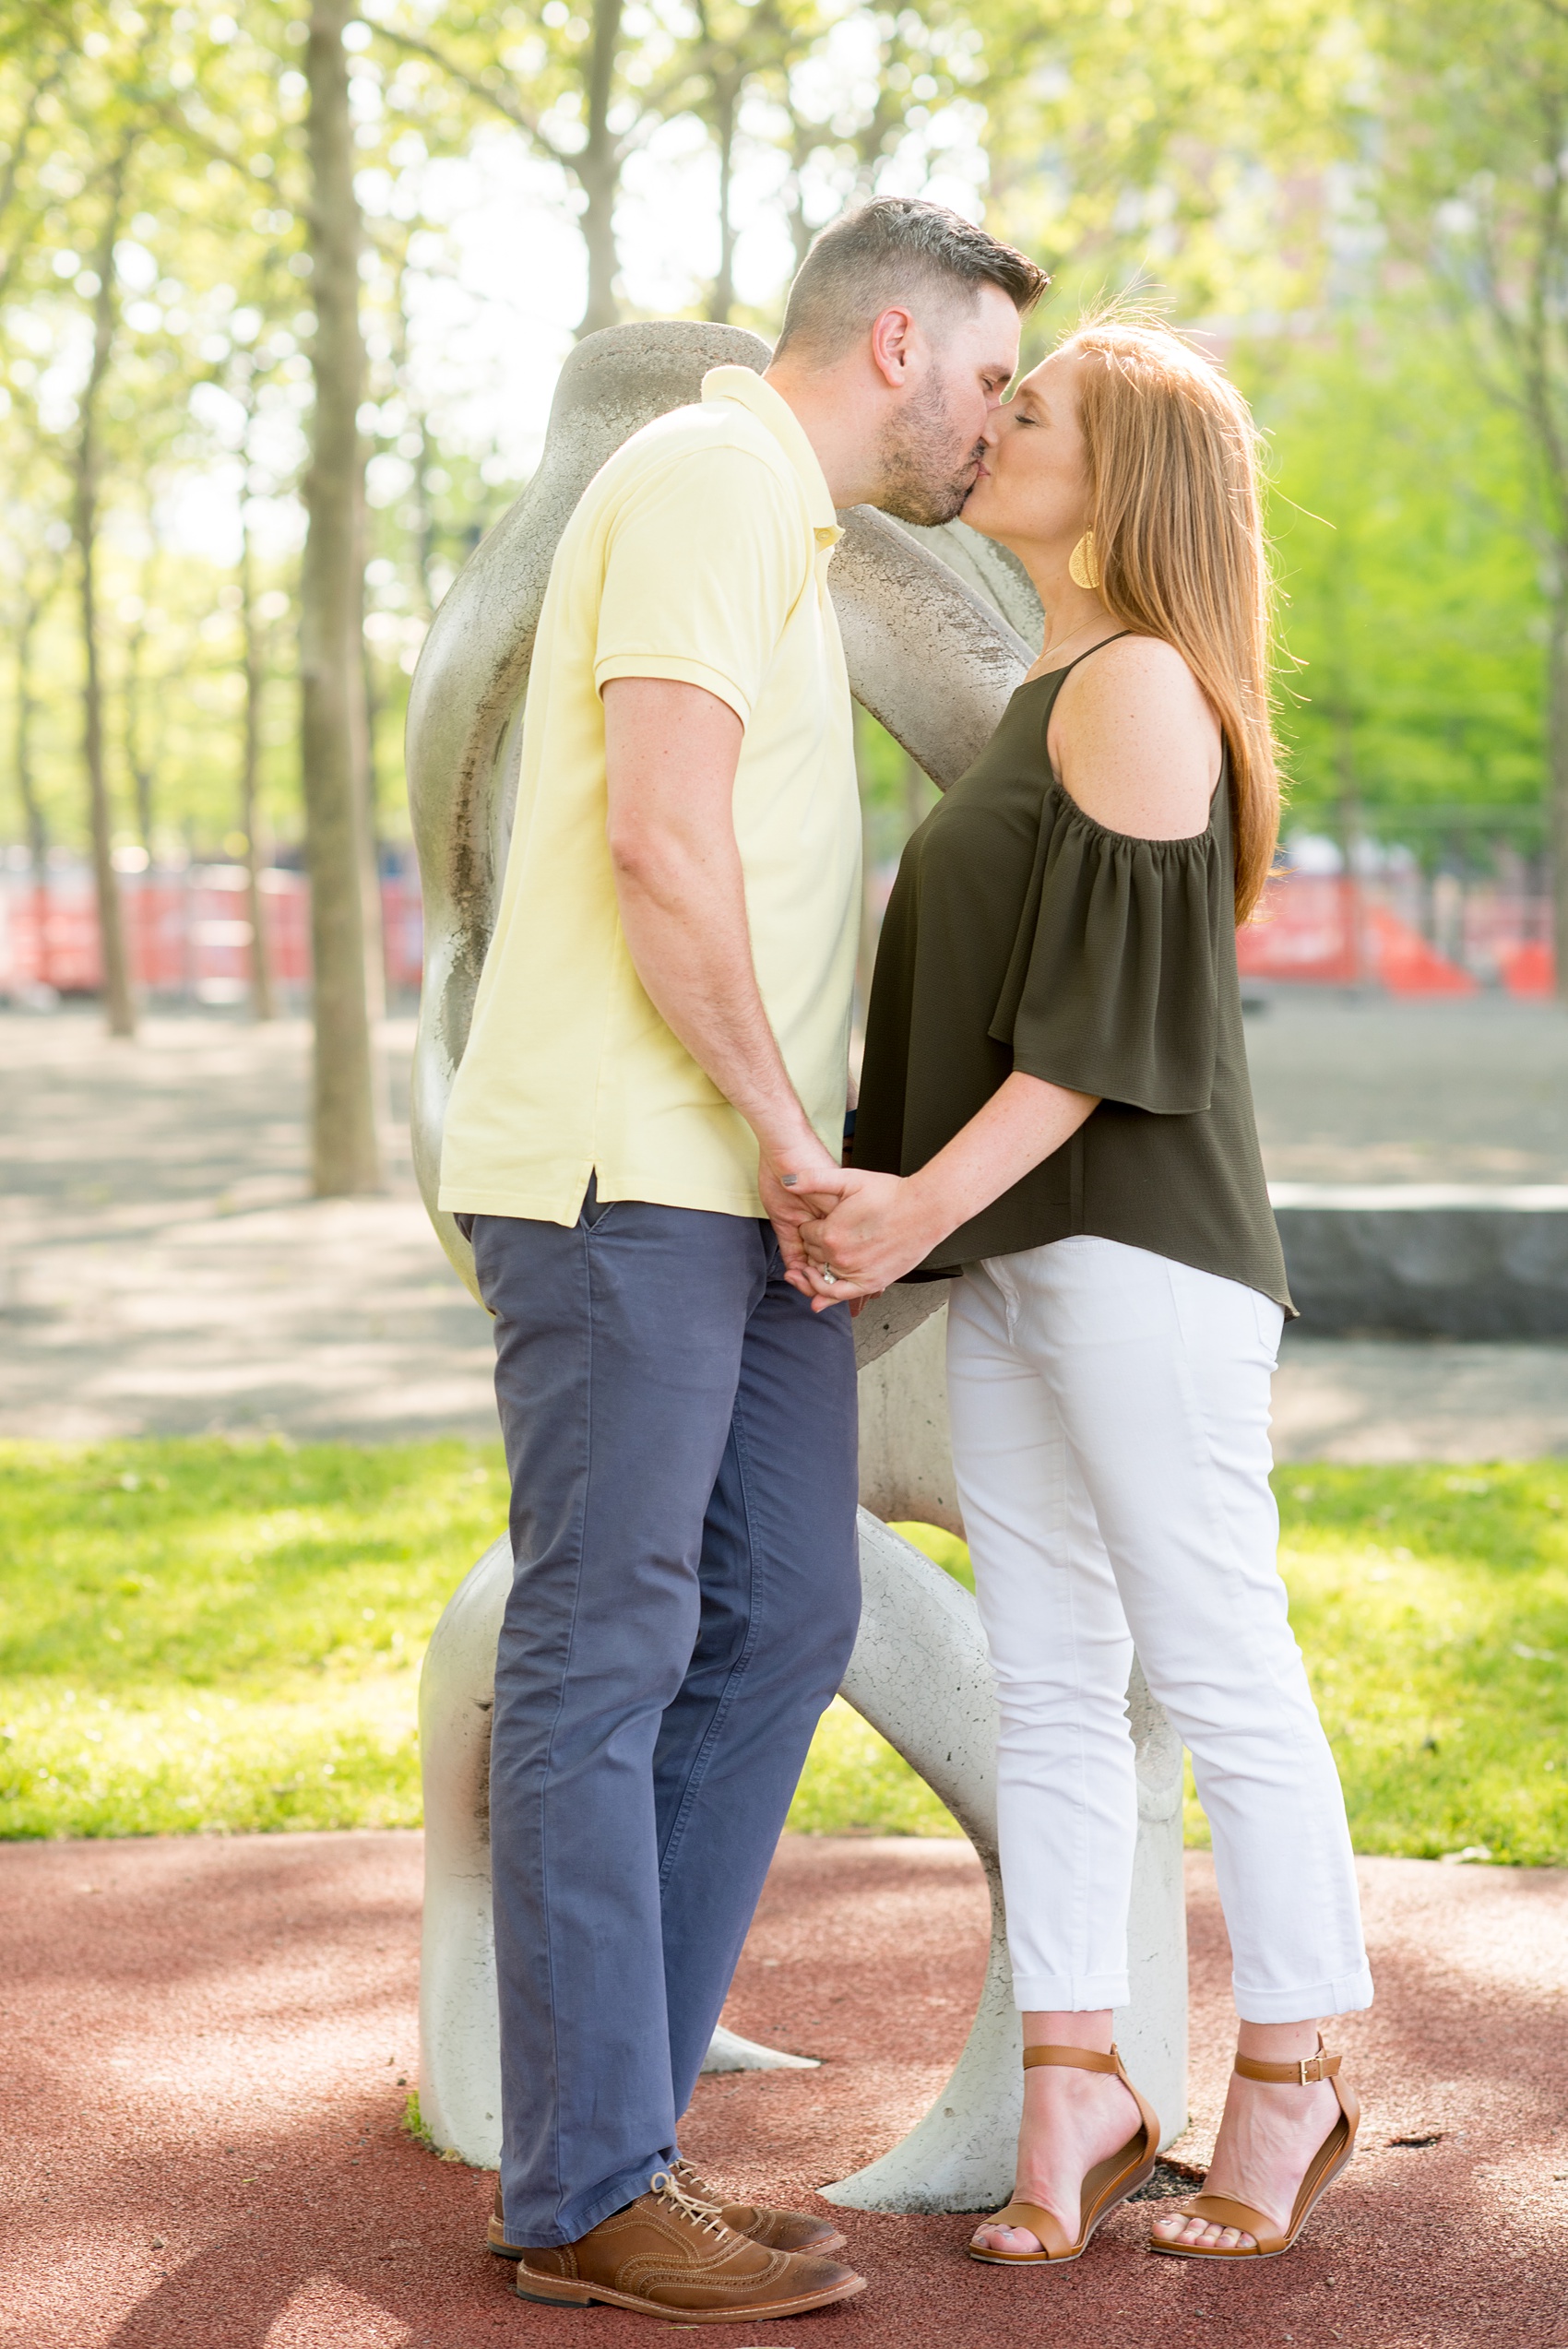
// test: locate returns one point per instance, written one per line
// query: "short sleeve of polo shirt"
(702, 568)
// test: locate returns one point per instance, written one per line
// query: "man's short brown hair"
(892, 248)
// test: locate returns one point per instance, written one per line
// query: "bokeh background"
(285, 288)
(1357, 206)
(284, 291)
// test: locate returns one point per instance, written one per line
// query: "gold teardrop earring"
(1082, 568)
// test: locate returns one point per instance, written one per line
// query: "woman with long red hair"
(1055, 1111)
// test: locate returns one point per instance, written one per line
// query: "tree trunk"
(598, 169)
(345, 1154)
(803, 136)
(370, 824)
(1556, 771)
(429, 456)
(1349, 812)
(725, 97)
(141, 773)
(84, 470)
(262, 1005)
(27, 787)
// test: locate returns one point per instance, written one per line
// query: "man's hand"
(879, 1229)
(882, 1225)
(795, 1187)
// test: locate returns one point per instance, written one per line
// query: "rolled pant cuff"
(1343, 1994)
(1068, 1993)
(581, 2217)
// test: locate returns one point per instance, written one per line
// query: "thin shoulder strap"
(1116, 639)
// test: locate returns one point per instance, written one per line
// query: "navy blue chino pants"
(680, 1437)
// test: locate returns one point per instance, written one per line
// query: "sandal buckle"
(1310, 2068)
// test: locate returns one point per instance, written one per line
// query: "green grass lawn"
(223, 1636)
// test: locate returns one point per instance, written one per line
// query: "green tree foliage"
(1473, 189)
(1190, 144)
(177, 130)
(581, 87)
(1363, 206)
(1411, 608)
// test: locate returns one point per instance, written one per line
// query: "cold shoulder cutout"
(1113, 983)
(1022, 934)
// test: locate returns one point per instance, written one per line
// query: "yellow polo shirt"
(699, 552)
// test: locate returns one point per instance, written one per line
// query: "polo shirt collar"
(770, 408)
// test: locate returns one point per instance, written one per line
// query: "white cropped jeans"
(1110, 1416)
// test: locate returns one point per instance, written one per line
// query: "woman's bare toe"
(1016, 2242)
(1201, 2233)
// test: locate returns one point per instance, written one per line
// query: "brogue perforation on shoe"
(668, 2255)
(780, 2230)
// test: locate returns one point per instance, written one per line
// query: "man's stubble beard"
(919, 481)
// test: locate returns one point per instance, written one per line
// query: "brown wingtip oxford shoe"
(776, 2230)
(666, 2255)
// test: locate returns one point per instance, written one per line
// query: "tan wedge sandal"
(1331, 2156)
(1108, 2183)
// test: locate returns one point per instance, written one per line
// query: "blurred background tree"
(1359, 208)
(1474, 191)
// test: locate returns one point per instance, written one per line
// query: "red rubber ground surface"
(202, 2042)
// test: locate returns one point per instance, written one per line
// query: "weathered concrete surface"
(201, 2147)
(1431, 1260)
(906, 1441)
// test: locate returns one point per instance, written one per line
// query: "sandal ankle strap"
(1074, 2058)
(1322, 2066)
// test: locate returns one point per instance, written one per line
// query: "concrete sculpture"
(935, 642)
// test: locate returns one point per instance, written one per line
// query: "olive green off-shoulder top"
(1022, 934)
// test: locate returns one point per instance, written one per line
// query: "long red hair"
(1178, 543)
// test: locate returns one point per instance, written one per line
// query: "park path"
(207, 2042)
(162, 1271)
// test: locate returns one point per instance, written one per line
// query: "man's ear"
(892, 346)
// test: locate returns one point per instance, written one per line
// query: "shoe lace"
(690, 2183)
(703, 2214)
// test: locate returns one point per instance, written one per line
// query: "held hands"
(796, 1185)
(845, 1233)
(866, 1232)
(848, 1234)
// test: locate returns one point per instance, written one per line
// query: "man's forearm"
(685, 923)
(672, 751)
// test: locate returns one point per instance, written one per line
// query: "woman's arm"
(883, 1225)
(1138, 748)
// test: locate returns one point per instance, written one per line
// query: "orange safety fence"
(1331, 930)
(188, 934)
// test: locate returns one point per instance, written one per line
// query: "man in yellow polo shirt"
(658, 1058)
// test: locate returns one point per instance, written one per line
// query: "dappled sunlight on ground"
(208, 2044)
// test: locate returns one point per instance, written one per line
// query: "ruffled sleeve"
(1113, 985)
